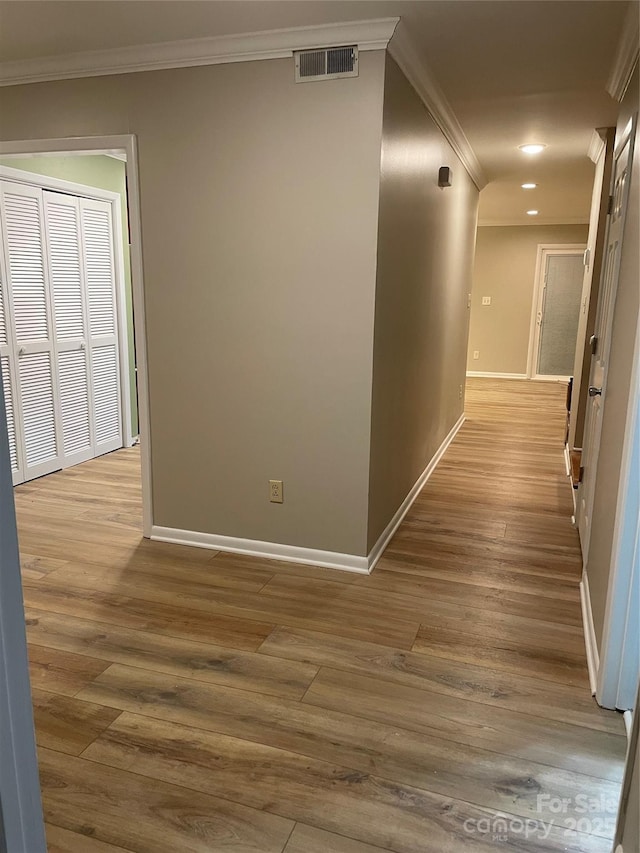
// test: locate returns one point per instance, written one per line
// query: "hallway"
(192, 701)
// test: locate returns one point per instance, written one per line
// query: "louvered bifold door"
(99, 271)
(33, 371)
(8, 370)
(62, 217)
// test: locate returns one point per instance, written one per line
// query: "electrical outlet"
(476, 353)
(460, 391)
(468, 300)
(275, 491)
(486, 300)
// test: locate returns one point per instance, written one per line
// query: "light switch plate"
(486, 300)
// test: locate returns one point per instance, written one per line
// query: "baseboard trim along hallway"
(590, 642)
(308, 556)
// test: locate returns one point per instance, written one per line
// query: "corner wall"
(504, 269)
(426, 240)
(259, 205)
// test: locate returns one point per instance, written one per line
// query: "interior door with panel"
(33, 372)
(559, 313)
(601, 341)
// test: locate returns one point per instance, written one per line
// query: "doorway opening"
(556, 311)
(74, 360)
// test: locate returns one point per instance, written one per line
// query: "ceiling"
(514, 71)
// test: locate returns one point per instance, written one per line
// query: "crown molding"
(626, 54)
(419, 75)
(215, 50)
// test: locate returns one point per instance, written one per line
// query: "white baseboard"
(256, 548)
(591, 645)
(482, 373)
(627, 716)
(567, 460)
(405, 506)
(308, 556)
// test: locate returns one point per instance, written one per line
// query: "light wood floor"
(191, 701)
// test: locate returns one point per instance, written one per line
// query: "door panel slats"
(106, 401)
(24, 242)
(38, 413)
(8, 402)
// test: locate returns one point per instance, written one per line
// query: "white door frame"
(544, 250)
(44, 182)
(89, 145)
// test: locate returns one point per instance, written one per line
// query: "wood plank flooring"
(192, 701)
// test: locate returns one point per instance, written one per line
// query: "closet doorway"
(73, 373)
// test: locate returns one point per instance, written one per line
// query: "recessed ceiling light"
(528, 186)
(532, 212)
(533, 148)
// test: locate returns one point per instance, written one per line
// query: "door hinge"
(593, 343)
(610, 206)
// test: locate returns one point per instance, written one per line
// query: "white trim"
(268, 550)
(488, 375)
(544, 249)
(386, 535)
(211, 50)
(308, 556)
(421, 78)
(597, 144)
(128, 144)
(539, 220)
(574, 498)
(627, 716)
(626, 55)
(113, 198)
(590, 642)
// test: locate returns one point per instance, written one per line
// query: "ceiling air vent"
(327, 63)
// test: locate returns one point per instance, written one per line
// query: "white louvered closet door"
(99, 270)
(31, 364)
(62, 217)
(7, 369)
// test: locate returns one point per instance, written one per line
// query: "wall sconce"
(444, 176)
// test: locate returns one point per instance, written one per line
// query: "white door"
(97, 243)
(31, 364)
(602, 336)
(62, 216)
(558, 313)
(59, 348)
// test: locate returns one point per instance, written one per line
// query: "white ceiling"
(514, 71)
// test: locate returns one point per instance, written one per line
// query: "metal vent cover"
(327, 63)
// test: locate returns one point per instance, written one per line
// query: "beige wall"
(504, 269)
(614, 418)
(425, 252)
(259, 206)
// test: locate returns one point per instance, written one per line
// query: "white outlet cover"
(486, 300)
(476, 353)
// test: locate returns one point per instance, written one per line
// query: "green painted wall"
(106, 173)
